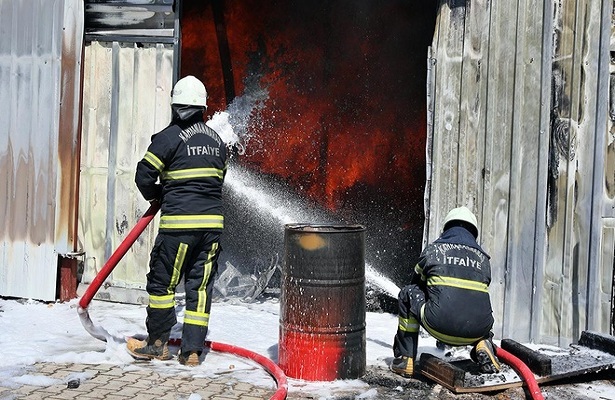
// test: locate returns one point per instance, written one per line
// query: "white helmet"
(189, 91)
(461, 214)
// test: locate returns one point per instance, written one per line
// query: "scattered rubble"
(231, 283)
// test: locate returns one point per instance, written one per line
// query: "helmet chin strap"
(185, 112)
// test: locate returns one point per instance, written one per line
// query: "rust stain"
(311, 241)
(6, 182)
(69, 138)
(28, 214)
(39, 204)
(18, 209)
(28, 183)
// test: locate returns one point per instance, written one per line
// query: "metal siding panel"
(448, 51)
(575, 109)
(69, 138)
(497, 159)
(135, 98)
(115, 115)
(540, 248)
(95, 155)
(480, 108)
(30, 69)
(6, 162)
(596, 58)
(6, 27)
(604, 290)
(472, 111)
(607, 186)
(575, 290)
(126, 196)
(524, 167)
(139, 101)
(429, 155)
(546, 273)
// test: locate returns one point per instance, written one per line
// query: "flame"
(345, 113)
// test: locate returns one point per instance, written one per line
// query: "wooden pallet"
(594, 352)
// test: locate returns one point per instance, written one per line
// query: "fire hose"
(100, 333)
(523, 370)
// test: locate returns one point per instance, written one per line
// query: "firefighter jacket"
(184, 168)
(455, 273)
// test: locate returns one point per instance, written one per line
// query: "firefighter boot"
(403, 366)
(149, 349)
(483, 353)
(190, 359)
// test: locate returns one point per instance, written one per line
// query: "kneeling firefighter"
(183, 169)
(448, 295)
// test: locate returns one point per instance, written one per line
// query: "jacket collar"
(459, 235)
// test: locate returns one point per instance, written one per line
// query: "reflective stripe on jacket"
(457, 277)
(184, 167)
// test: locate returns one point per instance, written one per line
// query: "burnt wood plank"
(441, 371)
(598, 341)
(539, 363)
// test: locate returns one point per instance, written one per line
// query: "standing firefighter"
(183, 169)
(448, 296)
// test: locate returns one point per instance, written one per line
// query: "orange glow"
(346, 83)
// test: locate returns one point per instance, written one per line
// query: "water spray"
(282, 208)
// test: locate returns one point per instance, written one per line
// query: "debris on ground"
(232, 283)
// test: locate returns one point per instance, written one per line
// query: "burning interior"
(329, 102)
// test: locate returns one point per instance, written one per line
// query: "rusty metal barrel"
(322, 302)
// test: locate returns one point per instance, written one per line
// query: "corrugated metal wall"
(40, 63)
(130, 64)
(126, 100)
(519, 133)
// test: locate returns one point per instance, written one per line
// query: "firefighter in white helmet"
(183, 169)
(448, 296)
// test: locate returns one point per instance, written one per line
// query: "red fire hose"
(523, 370)
(118, 254)
(101, 334)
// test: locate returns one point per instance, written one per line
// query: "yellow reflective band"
(193, 173)
(191, 221)
(450, 340)
(154, 161)
(177, 266)
(202, 292)
(419, 270)
(196, 318)
(166, 301)
(408, 324)
(458, 283)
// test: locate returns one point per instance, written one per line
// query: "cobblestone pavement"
(111, 382)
